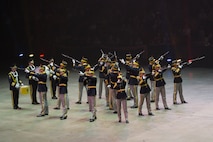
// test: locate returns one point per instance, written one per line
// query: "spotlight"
(31, 55)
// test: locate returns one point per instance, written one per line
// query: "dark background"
(84, 27)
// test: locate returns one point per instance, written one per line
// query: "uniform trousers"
(112, 99)
(142, 98)
(134, 90)
(63, 100)
(178, 88)
(92, 104)
(15, 98)
(160, 90)
(122, 103)
(44, 103)
(153, 90)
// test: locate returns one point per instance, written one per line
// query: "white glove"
(180, 66)
(22, 84)
(54, 77)
(144, 77)
(73, 61)
(35, 78)
(159, 70)
(102, 55)
(109, 86)
(122, 61)
(17, 85)
(101, 63)
(168, 66)
(116, 63)
(81, 73)
(137, 56)
(161, 58)
(52, 72)
(153, 72)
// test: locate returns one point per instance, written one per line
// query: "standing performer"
(15, 83)
(63, 79)
(112, 79)
(121, 97)
(90, 80)
(81, 68)
(151, 67)
(30, 71)
(160, 86)
(53, 78)
(62, 66)
(144, 92)
(176, 70)
(42, 90)
(133, 82)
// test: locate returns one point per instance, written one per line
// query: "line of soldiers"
(118, 88)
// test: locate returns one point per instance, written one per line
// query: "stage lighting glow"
(31, 55)
(21, 55)
(41, 55)
(169, 60)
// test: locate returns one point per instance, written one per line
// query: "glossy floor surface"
(184, 123)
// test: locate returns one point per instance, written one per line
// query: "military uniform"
(63, 91)
(90, 80)
(133, 82)
(62, 67)
(15, 83)
(127, 63)
(144, 92)
(81, 68)
(30, 71)
(176, 70)
(42, 90)
(151, 67)
(121, 97)
(112, 79)
(52, 78)
(160, 87)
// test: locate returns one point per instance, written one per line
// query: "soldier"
(52, 76)
(112, 79)
(176, 70)
(133, 82)
(63, 79)
(41, 77)
(144, 92)
(62, 66)
(127, 63)
(151, 67)
(90, 80)
(160, 86)
(30, 71)
(15, 83)
(121, 97)
(81, 68)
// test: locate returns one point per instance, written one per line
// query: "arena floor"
(185, 122)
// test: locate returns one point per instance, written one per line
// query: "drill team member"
(112, 79)
(30, 71)
(81, 68)
(15, 83)
(121, 96)
(160, 86)
(63, 79)
(176, 70)
(52, 76)
(42, 90)
(133, 82)
(90, 80)
(62, 66)
(144, 92)
(151, 67)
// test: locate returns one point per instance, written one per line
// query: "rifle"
(162, 56)
(137, 55)
(70, 58)
(48, 61)
(192, 60)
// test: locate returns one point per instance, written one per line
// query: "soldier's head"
(128, 57)
(151, 60)
(141, 72)
(31, 62)
(63, 64)
(91, 72)
(176, 62)
(41, 68)
(14, 67)
(157, 67)
(87, 67)
(135, 64)
(84, 60)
